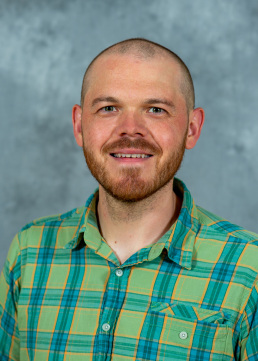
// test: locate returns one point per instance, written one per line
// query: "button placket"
(106, 327)
(119, 272)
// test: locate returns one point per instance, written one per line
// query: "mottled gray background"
(44, 49)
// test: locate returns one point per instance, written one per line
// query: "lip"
(131, 152)
(130, 160)
(130, 156)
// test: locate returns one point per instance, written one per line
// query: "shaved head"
(145, 50)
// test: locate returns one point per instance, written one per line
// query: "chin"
(133, 190)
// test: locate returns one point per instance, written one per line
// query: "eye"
(156, 110)
(108, 108)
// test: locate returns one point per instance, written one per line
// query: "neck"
(129, 226)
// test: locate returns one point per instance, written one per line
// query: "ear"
(196, 120)
(77, 124)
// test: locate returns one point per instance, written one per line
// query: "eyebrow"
(150, 101)
(104, 99)
(153, 101)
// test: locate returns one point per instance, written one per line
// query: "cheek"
(169, 137)
(164, 135)
(95, 135)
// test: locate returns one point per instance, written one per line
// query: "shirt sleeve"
(249, 343)
(9, 295)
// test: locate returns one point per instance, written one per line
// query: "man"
(140, 272)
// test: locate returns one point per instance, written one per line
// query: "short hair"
(144, 48)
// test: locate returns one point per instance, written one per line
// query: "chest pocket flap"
(192, 313)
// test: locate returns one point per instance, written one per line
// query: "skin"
(134, 105)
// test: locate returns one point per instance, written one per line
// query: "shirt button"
(106, 327)
(183, 335)
(119, 272)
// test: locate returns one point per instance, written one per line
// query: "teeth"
(122, 155)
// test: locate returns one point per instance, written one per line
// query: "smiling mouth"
(123, 155)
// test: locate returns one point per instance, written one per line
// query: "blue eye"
(109, 108)
(156, 110)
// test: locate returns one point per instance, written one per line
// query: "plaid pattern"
(190, 296)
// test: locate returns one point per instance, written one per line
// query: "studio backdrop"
(45, 48)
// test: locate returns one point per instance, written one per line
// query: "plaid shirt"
(190, 296)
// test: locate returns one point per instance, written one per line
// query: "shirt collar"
(88, 218)
(178, 241)
(181, 237)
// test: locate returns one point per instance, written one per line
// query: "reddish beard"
(129, 185)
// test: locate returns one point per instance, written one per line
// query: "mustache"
(128, 143)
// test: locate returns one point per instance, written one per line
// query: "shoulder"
(52, 231)
(46, 233)
(56, 220)
(216, 225)
(231, 250)
(208, 224)
(229, 244)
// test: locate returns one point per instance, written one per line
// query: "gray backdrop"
(45, 47)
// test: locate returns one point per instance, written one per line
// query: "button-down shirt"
(190, 296)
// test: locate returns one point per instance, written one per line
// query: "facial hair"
(129, 186)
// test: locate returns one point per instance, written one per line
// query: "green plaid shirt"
(190, 296)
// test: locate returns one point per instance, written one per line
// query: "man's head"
(136, 119)
(145, 49)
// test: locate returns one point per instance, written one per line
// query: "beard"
(128, 185)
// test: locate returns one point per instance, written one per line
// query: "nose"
(131, 124)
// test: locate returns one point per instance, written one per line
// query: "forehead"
(115, 69)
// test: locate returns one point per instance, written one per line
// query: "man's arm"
(9, 295)
(248, 345)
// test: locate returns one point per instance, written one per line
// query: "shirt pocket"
(186, 332)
